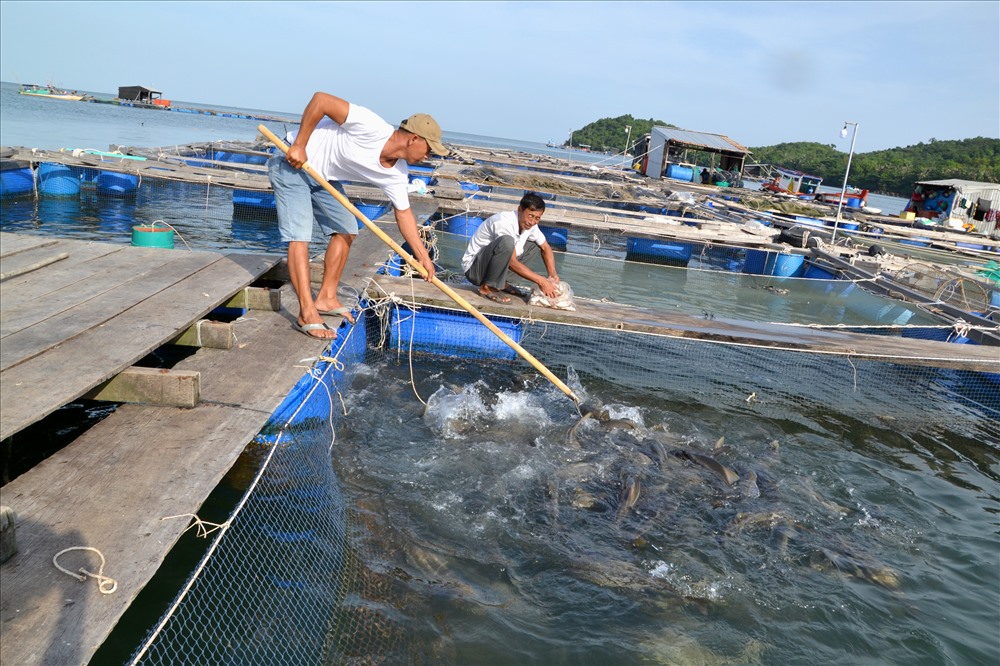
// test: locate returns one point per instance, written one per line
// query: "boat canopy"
(672, 145)
(957, 203)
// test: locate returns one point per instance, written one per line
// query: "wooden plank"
(41, 384)
(12, 244)
(29, 262)
(645, 320)
(66, 272)
(71, 270)
(151, 386)
(99, 299)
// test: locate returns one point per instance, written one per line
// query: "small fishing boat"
(851, 198)
(51, 92)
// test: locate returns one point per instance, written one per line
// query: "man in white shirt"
(343, 142)
(505, 241)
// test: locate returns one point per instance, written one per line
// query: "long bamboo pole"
(523, 353)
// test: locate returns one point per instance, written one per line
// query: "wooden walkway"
(73, 315)
(645, 320)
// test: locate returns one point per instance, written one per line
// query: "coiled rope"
(105, 584)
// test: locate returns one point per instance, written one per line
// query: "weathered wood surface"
(645, 320)
(112, 487)
(637, 225)
(73, 324)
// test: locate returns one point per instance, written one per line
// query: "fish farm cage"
(294, 573)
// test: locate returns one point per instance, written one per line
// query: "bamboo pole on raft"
(468, 307)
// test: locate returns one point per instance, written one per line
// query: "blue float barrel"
(762, 262)
(57, 180)
(678, 172)
(658, 251)
(555, 236)
(454, 334)
(112, 184)
(16, 181)
(371, 211)
(463, 225)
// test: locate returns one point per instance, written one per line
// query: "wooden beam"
(280, 272)
(8, 536)
(255, 298)
(153, 386)
(207, 333)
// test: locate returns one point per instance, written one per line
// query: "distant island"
(892, 171)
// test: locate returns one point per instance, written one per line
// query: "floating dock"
(76, 316)
(618, 317)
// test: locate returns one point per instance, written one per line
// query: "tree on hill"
(610, 134)
(895, 170)
(892, 171)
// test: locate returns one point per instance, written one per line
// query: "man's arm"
(547, 285)
(321, 104)
(407, 224)
(549, 259)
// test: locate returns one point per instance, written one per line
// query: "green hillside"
(890, 171)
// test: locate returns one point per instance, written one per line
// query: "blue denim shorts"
(300, 200)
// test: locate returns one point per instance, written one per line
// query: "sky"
(761, 73)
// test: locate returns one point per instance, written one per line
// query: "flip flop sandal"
(497, 297)
(306, 328)
(516, 290)
(336, 311)
(344, 312)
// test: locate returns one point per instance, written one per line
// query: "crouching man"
(507, 241)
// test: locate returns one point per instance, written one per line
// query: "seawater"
(48, 124)
(867, 536)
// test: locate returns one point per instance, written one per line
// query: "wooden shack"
(956, 204)
(142, 95)
(675, 153)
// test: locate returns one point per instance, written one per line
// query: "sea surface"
(864, 528)
(55, 124)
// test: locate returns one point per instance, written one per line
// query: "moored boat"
(51, 92)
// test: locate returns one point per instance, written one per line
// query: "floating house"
(957, 204)
(674, 152)
(141, 96)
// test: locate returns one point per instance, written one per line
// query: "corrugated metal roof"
(960, 184)
(700, 139)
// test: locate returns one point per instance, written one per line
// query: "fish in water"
(611, 424)
(571, 439)
(748, 484)
(855, 566)
(724, 473)
(584, 500)
(776, 290)
(629, 495)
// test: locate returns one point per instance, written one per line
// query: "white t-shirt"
(351, 152)
(495, 226)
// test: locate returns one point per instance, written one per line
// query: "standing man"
(343, 141)
(501, 243)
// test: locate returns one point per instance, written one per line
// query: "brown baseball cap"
(427, 129)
